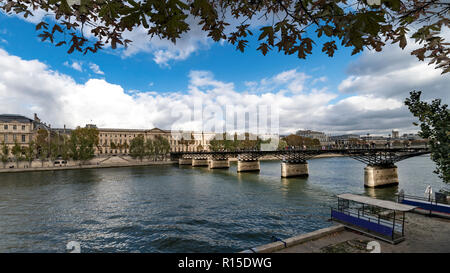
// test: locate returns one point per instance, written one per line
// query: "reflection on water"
(181, 209)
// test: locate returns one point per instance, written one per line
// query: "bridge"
(380, 170)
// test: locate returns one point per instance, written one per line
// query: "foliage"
(159, 147)
(82, 143)
(237, 142)
(434, 121)
(4, 153)
(289, 24)
(17, 153)
(150, 149)
(282, 144)
(137, 147)
(30, 152)
(299, 141)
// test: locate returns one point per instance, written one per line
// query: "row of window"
(14, 138)
(106, 135)
(14, 127)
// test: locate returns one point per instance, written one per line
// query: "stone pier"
(294, 169)
(219, 164)
(197, 162)
(248, 166)
(185, 161)
(380, 176)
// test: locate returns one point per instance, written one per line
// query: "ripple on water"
(90, 222)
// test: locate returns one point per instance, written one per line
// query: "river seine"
(181, 209)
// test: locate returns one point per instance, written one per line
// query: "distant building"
(395, 134)
(375, 139)
(314, 135)
(411, 137)
(344, 139)
(117, 141)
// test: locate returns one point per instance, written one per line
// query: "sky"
(196, 83)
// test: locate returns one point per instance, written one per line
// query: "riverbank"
(89, 166)
(422, 233)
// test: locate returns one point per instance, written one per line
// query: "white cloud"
(75, 65)
(393, 73)
(28, 86)
(165, 51)
(96, 69)
(289, 81)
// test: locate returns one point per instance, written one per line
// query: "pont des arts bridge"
(380, 170)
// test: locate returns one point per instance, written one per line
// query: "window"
(23, 138)
(14, 127)
(6, 127)
(23, 127)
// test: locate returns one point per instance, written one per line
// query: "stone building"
(117, 141)
(344, 139)
(18, 129)
(321, 136)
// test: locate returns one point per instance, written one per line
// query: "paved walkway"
(422, 233)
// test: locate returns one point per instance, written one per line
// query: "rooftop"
(376, 202)
(11, 118)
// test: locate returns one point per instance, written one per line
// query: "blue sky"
(342, 94)
(138, 71)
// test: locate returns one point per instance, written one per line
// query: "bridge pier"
(380, 176)
(248, 166)
(185, 161)
(294, 169)
(198, 162)
(218, 163)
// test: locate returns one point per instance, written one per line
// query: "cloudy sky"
(154, 83)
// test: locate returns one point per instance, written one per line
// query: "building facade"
(344, 139)
(17, 129)
(117, 141)
(20, 129)
(321, 136)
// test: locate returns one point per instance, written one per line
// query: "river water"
(181, 209)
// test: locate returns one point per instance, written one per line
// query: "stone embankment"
(98, 162)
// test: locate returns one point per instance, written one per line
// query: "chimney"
(36, 119)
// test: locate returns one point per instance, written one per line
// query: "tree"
(294, 140)
(17, 153)
(161, 146)
(282, 144)
(65, 148)
(150, 149)
(137, 147)
(215, 145)
(83, 142)
(4, 154)
(54, 152)
(289, 24)
(434, 121)
(30, 152)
